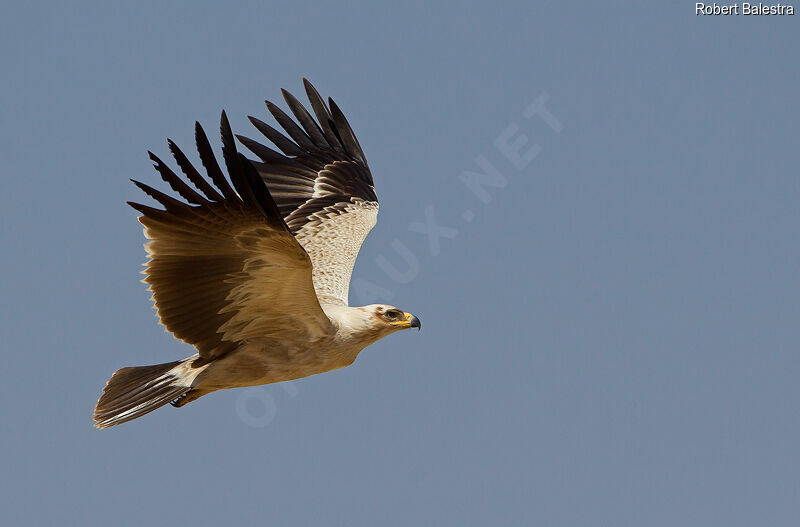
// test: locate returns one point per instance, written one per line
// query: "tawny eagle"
(254, 273)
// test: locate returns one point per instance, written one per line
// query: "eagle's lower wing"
(224, 267)
(322, 186)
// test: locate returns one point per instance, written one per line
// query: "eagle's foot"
(187, 397)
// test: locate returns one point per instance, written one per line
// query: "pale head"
(394, 318)
(371, 322)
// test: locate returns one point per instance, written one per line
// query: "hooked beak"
(410, 322)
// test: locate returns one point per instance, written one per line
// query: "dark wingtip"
(258, 191)
(226, 132)
(138, 207)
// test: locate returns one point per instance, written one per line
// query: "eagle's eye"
(393, 314)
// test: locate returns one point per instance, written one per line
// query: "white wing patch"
(332, 238)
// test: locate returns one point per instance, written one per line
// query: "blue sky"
(610, 330)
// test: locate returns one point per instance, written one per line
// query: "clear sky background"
(612, 339)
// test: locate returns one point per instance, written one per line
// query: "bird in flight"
(254, 272)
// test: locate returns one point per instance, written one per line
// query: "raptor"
(253, 270)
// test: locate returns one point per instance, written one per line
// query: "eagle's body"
(256, 275)
(266, 361)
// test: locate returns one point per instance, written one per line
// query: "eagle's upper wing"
(224, 267)
(322, 187)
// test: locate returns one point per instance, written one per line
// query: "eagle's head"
(370, 323)
(393, 318)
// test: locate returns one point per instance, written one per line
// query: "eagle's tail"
(133, 392)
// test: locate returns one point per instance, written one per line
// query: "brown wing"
(224, 267)
(322, 186)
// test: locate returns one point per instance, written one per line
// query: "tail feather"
(133, 392)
